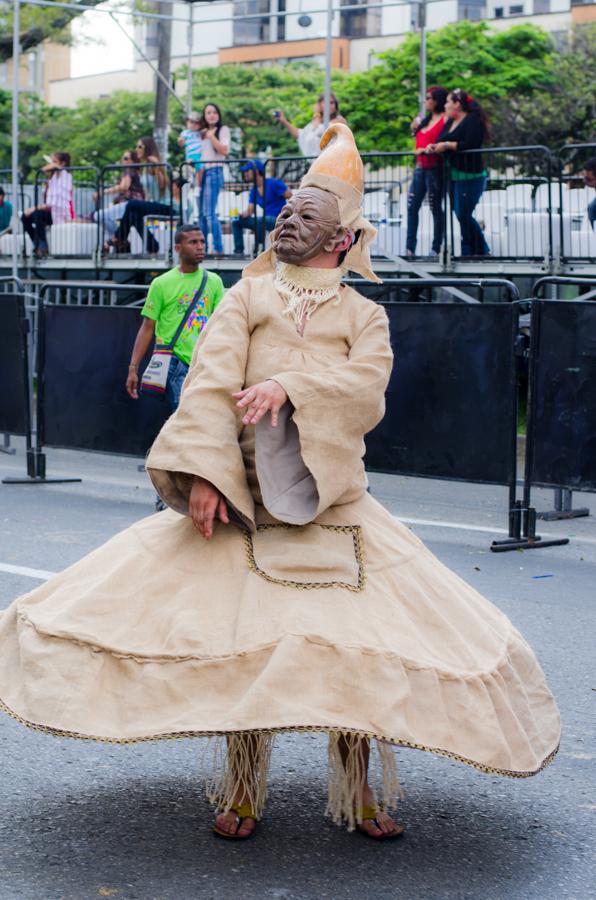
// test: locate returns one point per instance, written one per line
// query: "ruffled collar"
(304, 288)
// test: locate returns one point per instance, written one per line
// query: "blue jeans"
(425, 181)
(592, 212)
(255, 224)
(176, 375)
(212, 184)
(464, 197)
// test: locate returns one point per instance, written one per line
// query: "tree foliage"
(488, 65)
(248, 96)
(533, 93)
(37, 24)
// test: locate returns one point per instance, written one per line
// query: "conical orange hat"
(340, 157)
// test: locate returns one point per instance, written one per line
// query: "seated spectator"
(57, 207)
(134, 216)
(589, 174)
(114, 199)
(5, 211)
(268, 193)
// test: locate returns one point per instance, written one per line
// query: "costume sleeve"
(333, 410)
(201, 437)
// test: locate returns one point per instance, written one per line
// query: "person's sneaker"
(433, 254)
(160, 505)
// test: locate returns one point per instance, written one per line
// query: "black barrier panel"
(451, 400)
(14, 387)
(86, 355)
(564, 395)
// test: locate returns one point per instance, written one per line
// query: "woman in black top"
(466, 129)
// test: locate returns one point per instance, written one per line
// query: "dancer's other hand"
(205, 504)
(267, 396)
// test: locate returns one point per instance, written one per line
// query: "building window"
(517, 10)
(473, 10)
(499, 12)
(541, 6)
(359, 23)
(253, 30)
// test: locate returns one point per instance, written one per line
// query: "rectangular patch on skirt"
(308, 557)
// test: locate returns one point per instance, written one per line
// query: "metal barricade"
(429, 290)
(98, 415)
(138, 225)
(62, 228)
(575, 198)
(500, 202)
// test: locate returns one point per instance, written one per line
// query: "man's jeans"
(592, 212)
(256, 225)
(464, 197)
(425, 181)
(176, 375)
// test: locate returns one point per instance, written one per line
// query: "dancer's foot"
(376, 823)
(236, 824)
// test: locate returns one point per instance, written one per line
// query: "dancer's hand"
(261, 398)
(204, 505)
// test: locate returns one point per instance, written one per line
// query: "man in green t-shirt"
(169, 297)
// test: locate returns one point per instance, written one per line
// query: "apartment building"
(265, 32)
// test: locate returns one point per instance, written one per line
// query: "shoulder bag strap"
(189, 310)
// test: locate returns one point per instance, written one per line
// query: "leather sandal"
(243, 811)
(371, 812)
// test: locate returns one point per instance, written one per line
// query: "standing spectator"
(5, 211)
(589, 175)
(57, 207)
(216, 147)
(309, 137)
(169, 296)
(466, 129)
(129, 187)
(428, 174)
(270, 194)
(190, 139)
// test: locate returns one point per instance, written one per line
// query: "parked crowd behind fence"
(535, 207)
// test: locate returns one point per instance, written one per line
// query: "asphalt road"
(81, 821)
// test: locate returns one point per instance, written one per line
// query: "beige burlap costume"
(315, 610)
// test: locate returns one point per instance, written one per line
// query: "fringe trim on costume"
(271, 732)
(239, 769)
(347, 775)
(303, 289)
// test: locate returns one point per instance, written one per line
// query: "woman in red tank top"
(428, 174)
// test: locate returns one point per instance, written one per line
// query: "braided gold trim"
(354, 530)
(313, 729)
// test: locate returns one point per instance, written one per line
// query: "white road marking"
(464, 526)
(461, 526)
(42, 574)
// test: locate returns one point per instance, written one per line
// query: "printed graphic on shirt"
(195, 322)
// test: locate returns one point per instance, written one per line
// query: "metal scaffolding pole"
(16, 65)
(189, 61)
(422, 26)
(328, 51)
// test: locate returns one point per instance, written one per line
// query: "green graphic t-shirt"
(167, 301)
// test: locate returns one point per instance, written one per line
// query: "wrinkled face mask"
(307, 226)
